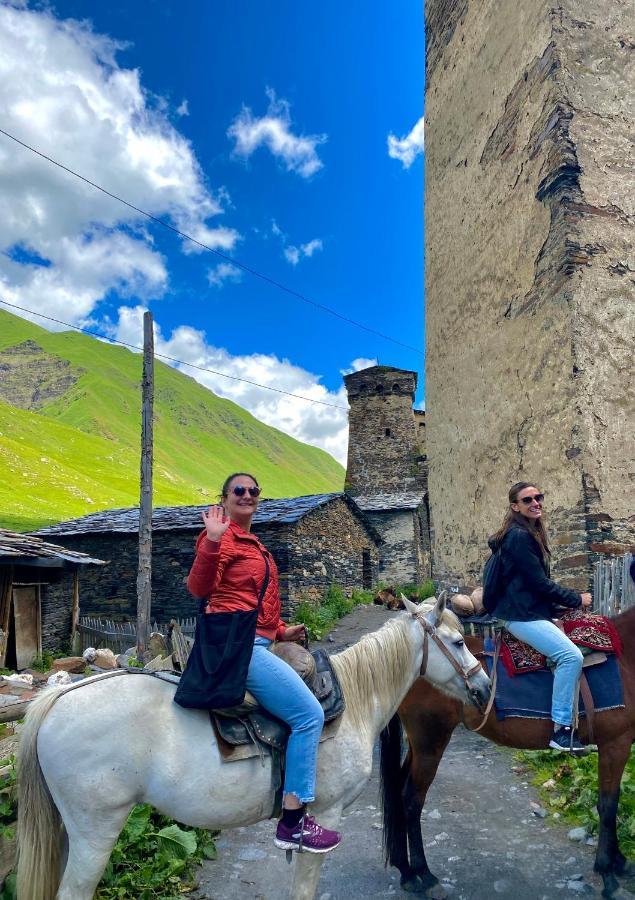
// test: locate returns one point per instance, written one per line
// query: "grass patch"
(575, 791)
(320, 618)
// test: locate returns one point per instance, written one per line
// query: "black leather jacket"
(528, 593)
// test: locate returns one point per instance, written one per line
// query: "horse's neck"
(375, 675)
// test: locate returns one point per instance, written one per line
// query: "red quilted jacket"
(230, 574)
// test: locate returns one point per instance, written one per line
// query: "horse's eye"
(459, 643)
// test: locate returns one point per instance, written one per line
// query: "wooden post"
(75, 642)
(144, 574)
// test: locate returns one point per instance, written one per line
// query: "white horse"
(89, 754)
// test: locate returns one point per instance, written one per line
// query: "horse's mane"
(378, 662)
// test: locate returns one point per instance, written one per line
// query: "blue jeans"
(548, 639)
(281, 691)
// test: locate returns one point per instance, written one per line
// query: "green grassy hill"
(70, 423)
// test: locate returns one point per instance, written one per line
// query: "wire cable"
(173, 359)
(204, 246)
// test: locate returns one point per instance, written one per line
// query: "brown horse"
(429, 718)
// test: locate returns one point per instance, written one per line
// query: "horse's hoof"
(611, 885)
(625, 869)
(415, 885)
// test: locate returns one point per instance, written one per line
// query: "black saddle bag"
(216, 672)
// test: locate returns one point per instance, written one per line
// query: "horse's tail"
(39, 822)
(391, 779)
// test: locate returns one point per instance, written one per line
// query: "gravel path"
(482, 836)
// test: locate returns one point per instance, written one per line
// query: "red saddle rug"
(586, 630)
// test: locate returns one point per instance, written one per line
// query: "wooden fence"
(120, 636)
(613, 587)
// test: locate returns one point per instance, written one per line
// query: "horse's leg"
(424, 762)
(609, 860)
(307, 867)
(90, 844)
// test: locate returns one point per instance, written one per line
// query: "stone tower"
(384, 443)
(530, 274)
(387, 469)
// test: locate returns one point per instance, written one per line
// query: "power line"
(181, 362)
(204, 246)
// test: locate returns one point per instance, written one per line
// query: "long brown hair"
(536, 529)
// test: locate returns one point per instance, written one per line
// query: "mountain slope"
(70, 433)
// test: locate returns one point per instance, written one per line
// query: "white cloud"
(358, 364)
(273, 130)
(223, 273)
(183, 108)
(292, 254)
(63, 91)
(321, 426)
(295, 254)
(407, 148)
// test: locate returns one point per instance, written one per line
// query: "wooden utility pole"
(144, 573)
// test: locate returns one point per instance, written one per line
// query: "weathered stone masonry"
(387, 473)
(330, 543)
(530, 273)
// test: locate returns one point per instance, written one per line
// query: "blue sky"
(262, 128)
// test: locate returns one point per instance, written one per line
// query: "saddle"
(588, 631)
(249, 730)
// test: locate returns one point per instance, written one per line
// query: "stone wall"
(405, 553)
(529, 274)
(325, 546)
(383, 447)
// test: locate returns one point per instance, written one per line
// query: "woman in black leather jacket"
(528, 599)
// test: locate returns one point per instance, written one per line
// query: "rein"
(430, 632)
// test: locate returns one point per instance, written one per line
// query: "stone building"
(387, 468)
(318, 540)
(39, 596)
(529, 283)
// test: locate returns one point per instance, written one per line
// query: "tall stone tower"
(530, 273)
(383, 446)
(387, 468)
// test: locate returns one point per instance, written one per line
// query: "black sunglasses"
(537, 498)
(240, 491)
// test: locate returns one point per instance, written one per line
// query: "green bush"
(417, 592)
(575, 794)
(154, 858)
(8, 797)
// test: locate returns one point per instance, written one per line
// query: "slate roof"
(25, 548)
(168, 518)
(389, 502)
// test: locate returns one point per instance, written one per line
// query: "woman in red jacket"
(229, 570)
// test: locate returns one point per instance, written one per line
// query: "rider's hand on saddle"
(216, 523)
(587, 600)
(294, 633)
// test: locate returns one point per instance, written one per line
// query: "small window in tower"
(387, 432)
(379, 388)
(395, 388)
(363, 388)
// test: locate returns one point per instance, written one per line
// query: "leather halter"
(431, 632)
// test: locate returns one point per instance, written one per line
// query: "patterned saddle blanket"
(588, 631)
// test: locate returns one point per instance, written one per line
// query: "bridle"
(431, 633)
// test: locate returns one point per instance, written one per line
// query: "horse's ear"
(439, 607)
(409, 606)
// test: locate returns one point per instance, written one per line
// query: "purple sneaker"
(306, 835)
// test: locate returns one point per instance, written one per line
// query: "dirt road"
(483, 838)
